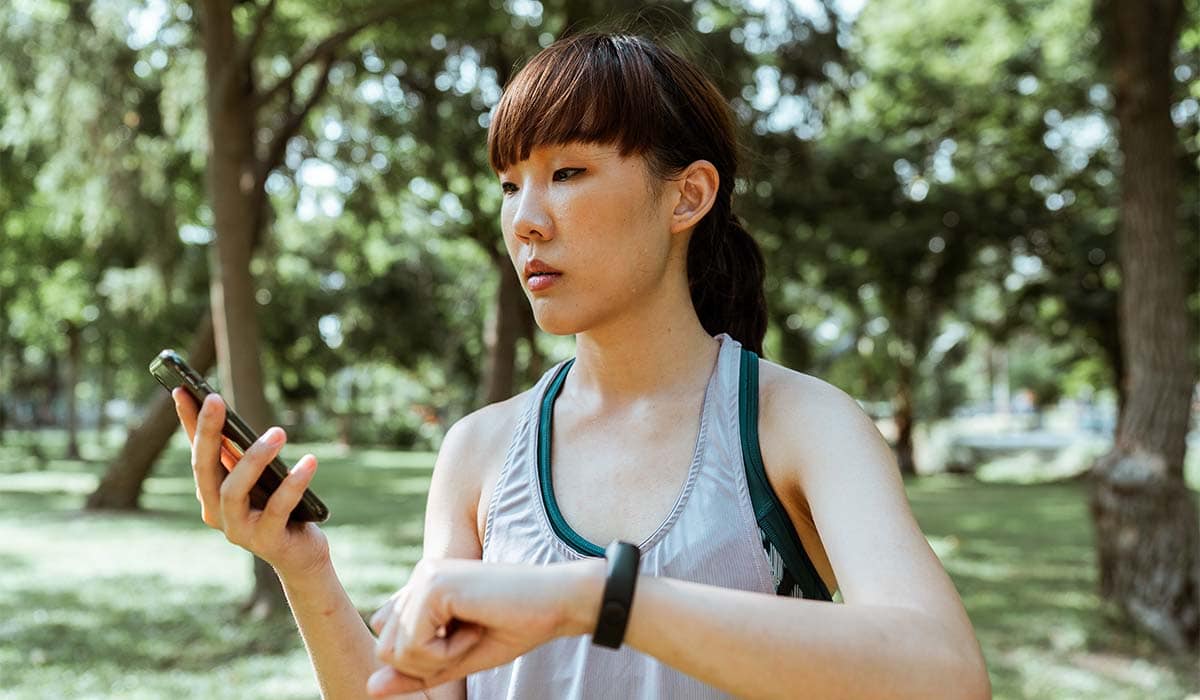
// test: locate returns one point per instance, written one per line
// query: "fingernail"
(375, 683)
(274, 437)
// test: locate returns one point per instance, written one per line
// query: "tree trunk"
(236, 200)
(104, 380)
(74, 353)
(48, 411)
(349, 415)
(5, 377)
(104, 389)
(1147, 530)
(1001, 389)
(904, 419)
(1110, 343)
(795, 348)
(504, 329)
(121, 486)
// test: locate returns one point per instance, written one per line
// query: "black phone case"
(172, 371)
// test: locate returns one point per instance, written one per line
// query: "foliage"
(918, 175)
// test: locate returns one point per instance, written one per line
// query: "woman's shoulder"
(485, 432)
(468, 463)
(792, 393)
(805, 422)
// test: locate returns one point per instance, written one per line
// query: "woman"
(753, 490)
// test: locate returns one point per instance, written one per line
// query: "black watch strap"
(623, 559)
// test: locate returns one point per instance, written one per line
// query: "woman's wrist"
(585, 590)
(319, 566)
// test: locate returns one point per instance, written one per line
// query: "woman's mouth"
(540, 281)
(540, 276)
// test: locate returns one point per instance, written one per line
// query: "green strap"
(557, 521)
(768, 510)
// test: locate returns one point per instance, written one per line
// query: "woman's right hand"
(223, 484)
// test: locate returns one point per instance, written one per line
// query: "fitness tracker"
(623, 559)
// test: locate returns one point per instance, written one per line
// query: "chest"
(621, 478)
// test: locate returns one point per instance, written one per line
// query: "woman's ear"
(696, 188)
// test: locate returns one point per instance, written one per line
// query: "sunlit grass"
(145, 605)
(1022, 558)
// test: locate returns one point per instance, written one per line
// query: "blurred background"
(981, 219)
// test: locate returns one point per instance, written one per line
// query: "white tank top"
(711, 536)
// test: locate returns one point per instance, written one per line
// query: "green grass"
(1022, 558)
(144, 605)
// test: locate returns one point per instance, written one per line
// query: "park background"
(943, 191)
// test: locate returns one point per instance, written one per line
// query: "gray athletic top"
(714, 534)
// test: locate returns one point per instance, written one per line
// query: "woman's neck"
(658, 348)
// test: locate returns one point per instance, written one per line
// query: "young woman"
(751, 491)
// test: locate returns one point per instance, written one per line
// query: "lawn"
(144, 605)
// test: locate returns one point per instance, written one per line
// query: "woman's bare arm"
(474, 447)
(902, 632)
(339, 643)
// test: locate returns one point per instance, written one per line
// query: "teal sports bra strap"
(768, 510)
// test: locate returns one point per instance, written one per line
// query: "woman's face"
(592, 219)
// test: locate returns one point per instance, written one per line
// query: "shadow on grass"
(359, 490)
(1023, 560)
(195, 630)
(11, 563)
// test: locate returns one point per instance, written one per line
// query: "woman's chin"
(555, 322)
(558, 326)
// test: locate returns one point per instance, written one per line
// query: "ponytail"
(725, 271)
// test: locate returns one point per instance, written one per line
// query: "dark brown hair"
(647, 100)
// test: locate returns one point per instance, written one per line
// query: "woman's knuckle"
(383, 652)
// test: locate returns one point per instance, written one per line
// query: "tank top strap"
(792, 567)
(522, 450)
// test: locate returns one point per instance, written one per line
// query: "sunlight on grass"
(1022, 559)
(145, 605)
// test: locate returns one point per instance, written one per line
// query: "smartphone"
(172, 371)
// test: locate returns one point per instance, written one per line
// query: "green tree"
(1147, 529)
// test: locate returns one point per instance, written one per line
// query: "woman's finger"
(448, 655)
(385, 610)
(385, 646)
(388, 681)
(235, 489)
(206, 460)
(449, 649)
(186, 409)
(281, 503)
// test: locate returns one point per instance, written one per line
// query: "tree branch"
(325, 48)
(295, 118)
(246, 49)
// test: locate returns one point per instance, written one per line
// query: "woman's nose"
(532, 218)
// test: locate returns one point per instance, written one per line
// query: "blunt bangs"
(590, 88)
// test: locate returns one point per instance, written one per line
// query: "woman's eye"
(508, 187)
(564, 173)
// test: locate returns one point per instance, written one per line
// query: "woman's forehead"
(592, 151)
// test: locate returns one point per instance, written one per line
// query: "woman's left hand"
(458, 616)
